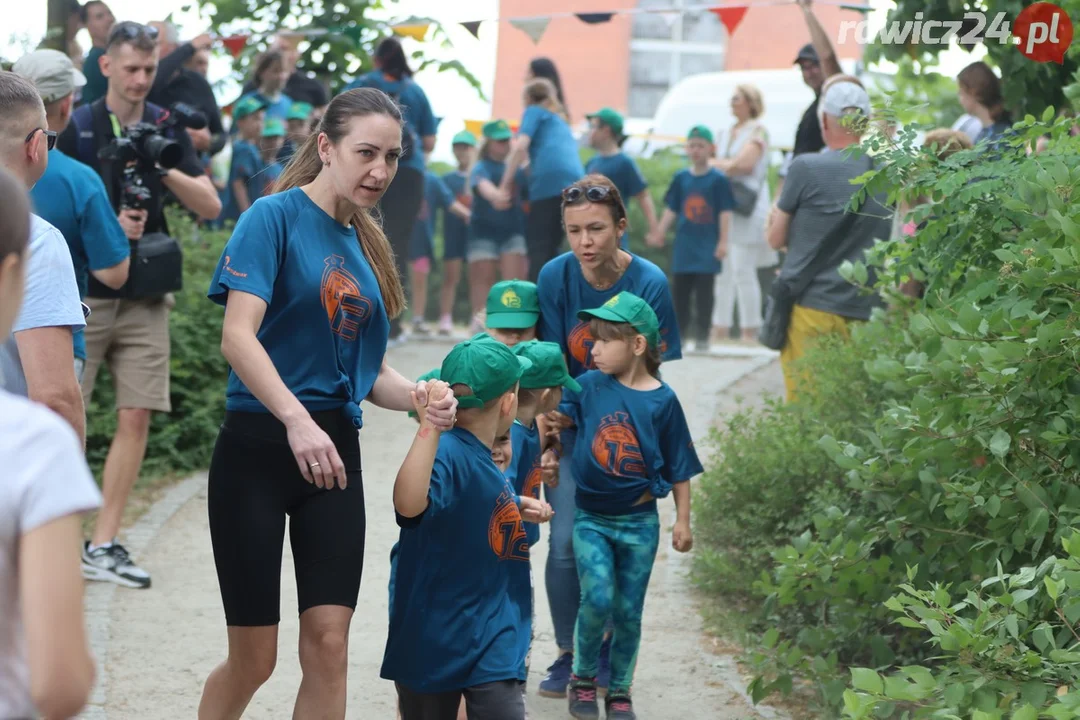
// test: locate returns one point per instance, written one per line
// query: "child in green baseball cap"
(701, 200)
(455, 229)
(512, 311)
(245, 184)
(633, 447)
(606, 137)
(463, 552)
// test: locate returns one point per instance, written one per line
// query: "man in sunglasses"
(70, 195)
(36, 359)
(129, 326)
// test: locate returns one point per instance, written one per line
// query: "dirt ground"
(155, 647)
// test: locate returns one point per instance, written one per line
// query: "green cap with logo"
(700, 132)
(497, 130)
(486, 366)
(513, 305)
(612, 118)
(247, 106)
(464, 138)
(299, 111)
(628, 308)
(548, 366)
(429, 375)
(273, 127)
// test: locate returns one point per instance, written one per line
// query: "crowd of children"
(468, 502)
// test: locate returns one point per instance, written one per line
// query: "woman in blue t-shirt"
(401, 204)
(270, 77)
(544, 138)
(595, 270)
(309, 284)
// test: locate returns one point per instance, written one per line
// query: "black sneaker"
(113, 564)
(582, 696)
(619, 706)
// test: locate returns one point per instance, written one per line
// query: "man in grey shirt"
(810, 218)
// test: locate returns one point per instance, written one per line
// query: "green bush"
(183, 440)
(950, 424)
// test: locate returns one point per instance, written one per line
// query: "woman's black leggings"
(254, 484)
(543, 233)
(692, 294)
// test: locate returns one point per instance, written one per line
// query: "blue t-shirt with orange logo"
(629, 442)
(325, 326)
(524, 470)
(461, 609)
(698, 201)
(563, 292)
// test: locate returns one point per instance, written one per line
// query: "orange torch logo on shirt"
(346, 308)
(506, 534)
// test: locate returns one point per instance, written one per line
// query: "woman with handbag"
(745, 161)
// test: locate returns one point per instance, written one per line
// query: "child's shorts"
(487, 249)
(500, 700)
(420, 247)
(454, 245)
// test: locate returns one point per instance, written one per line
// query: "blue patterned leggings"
(615, 555)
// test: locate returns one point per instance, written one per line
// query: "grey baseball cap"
(808, 53)
(52, 72)
(841, 98)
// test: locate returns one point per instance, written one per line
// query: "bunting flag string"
(730, 14)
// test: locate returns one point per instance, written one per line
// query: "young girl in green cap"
(455, 230)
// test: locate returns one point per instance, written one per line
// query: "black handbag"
(157, 267)
(745, 198)
(785, 292)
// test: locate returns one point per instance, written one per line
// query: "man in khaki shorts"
(129, 331)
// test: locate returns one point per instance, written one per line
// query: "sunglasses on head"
(592, 193)
(50, 136)
(129, 30)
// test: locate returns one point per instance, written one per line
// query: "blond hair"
(542, 92)
(753, 99)
(306, 165)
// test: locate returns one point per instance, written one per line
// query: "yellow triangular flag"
(416, 32)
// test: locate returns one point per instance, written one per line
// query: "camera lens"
(163, 151)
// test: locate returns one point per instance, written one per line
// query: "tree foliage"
(337, 56)
(1028, 86)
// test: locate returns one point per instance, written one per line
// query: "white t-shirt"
(51, 298)
(43, 477)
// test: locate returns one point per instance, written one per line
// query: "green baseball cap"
(247, 105)
(299, 111)
(273, 127)
(548, 366)
(486, 366)
(464, 138)
(612, 118)
(513, 305)
(429, 375)
(497, 130)
(700, 132)
(628, 308)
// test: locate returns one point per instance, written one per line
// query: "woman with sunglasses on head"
(309, 283)
(545, 140)
(595, 270)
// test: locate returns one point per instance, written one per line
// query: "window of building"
(666, 47)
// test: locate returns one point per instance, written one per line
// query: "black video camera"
(145, 148)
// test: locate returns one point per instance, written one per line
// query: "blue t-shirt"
(461, 613)
(247, 166)
(455, 230)
(623, 171)
(436, 197)
(325, 326)
(419, 120)
(563, 292)
(274, 109)
(524, 470)
(629, 442)
(698, 201)
(487, 223)
(554, 161)
(72, 198)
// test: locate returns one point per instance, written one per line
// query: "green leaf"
(1053, 588)
(955, 694)
(1012, 627)
(1026, 713)
(993, 506)
(1000, 442)
(770, 638)
(867, 680)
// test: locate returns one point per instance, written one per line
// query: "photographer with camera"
(142, 152)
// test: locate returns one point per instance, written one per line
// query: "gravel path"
(156, 647)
